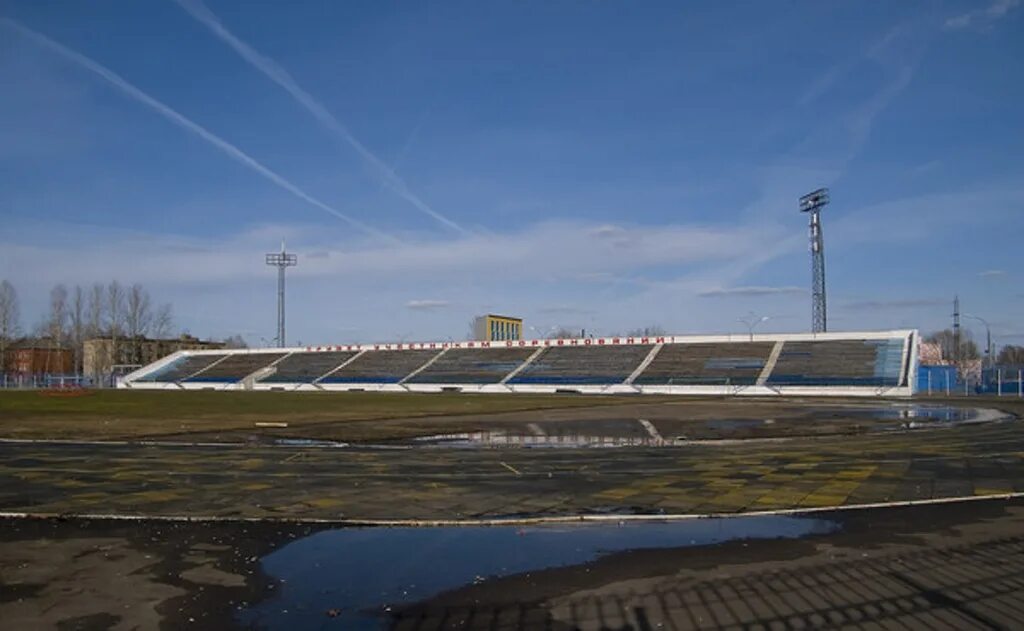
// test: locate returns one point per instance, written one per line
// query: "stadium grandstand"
(869, 364)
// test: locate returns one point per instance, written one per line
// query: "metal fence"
(48, 381)
(1001, 381)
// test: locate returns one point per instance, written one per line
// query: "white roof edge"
(667, 339)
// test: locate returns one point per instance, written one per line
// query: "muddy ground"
(956, 565)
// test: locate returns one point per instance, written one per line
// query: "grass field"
(108, 414)
(368, 416)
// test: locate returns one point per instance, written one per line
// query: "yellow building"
(496, 328)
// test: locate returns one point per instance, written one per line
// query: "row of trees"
(125, 314)
(1009, 355)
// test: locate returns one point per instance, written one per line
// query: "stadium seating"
(182, 367)
(307, 367)
(234, 368)
(583, 365)
(381, 367)
(864, 364)
(473, 365)
(738, 363)
(839, 363)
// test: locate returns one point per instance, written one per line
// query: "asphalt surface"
(957, 566)
(954, 566)
(341, 484)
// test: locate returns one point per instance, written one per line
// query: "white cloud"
(750, 291)
(564, 310)
(923, 217)
(221, 284)
(991, 273)
(426, 305)
(911, 303)
(552, 251)
(981, 17)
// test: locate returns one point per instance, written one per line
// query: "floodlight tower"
(813, 203)
(281, 260)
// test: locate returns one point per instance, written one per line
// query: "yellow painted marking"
(819, 499)
(993, 490)
(856, 474)
(326, 502)
(616, 494)
(156, 496)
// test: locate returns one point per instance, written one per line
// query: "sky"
(590, 165)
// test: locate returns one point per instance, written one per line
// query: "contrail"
(280, 76)
(180, 120)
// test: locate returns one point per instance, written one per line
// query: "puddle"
(565, 434)
(913, 416)
(643, 433)
(517, 439)
(306, 442)
(732, 424)
(360, 574)
(933, 413)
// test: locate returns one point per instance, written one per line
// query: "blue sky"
(603, 165)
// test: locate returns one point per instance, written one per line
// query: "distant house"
(35, 357)
(102, 356)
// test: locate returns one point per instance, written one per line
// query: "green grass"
(125, 413)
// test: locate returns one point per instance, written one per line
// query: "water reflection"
(644, 433)
(357, 575)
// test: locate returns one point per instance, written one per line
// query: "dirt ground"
(945, 566)
(949, 565)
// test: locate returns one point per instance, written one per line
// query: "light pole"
(988, 338)
(281, 260)
(752, 321)
(812, 203)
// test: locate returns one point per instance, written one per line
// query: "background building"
(29, 359)
(496, 328)
(103, 356)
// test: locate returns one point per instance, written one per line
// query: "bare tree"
(1011, 355)
(163, 320)
(138, 316)
(946, 340)
(54, 325)
(57, 323)
(563, 333)
(77, 324)
(96, 310)
(115, 318)
(235, 341)
(653, 330)
(10, 316)
(965, 358)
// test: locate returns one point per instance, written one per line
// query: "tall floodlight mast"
(812, 203)
(281, 260)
